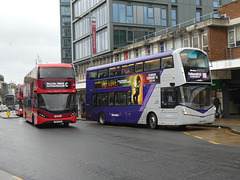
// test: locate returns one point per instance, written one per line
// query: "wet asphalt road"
(86, 150)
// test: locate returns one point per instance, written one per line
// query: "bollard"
(8, 112)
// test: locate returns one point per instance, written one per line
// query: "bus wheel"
(152, 121)
(102, 118)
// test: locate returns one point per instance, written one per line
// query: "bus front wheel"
(102, 118)
(152, 121)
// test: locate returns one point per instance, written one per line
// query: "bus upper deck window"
(139, 67)
(92, 75)
(152, 65)
(115, 71)
(103, 73)
(167, 62)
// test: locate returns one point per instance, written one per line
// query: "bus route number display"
(57, 85)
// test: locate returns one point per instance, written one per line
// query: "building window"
(162, 46)
(164, 17)
(198, 15)
(148, 15)
(205, 39)
(234, 36)
(65, 10)
(129, 18)
(115, 12)
(169, 45)
(67, 53)
(137, 53)
(185, 41)
(66, 21)
(174, 16)
(195, 40)
(198, 2)
(130, 37)
(215, 3)
(173, 1)
(149, 50)
(66, 32)
(176, 43)
(66, 43)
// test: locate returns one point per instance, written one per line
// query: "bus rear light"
(41, 114)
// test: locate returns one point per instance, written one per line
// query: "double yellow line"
(200, 138)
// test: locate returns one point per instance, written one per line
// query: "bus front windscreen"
(55, 73)
(198, 97)
(196, 67)
(56, 102)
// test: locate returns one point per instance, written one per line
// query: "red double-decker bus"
(50, 94)
(19, 100)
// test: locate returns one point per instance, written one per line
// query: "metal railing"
(213, 15)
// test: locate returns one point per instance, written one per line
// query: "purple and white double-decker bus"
(169, 88)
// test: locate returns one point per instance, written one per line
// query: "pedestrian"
(217, 105)
(83, 106)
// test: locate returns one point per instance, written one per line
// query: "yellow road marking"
(227, 131)
(186, 133)
(214, 142)
(198, 137)
(18, 178)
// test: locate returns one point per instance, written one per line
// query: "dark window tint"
(55, 73)
(120, 99)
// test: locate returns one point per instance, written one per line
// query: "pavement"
(233, 124)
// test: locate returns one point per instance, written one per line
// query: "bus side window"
(92, 75)
(168, 97)
(139, 67)
(94, 100)
(167, 62)
(111, 99)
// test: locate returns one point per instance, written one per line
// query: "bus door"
(168, 113)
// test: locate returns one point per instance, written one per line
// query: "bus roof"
(158, 55)
(55, 65)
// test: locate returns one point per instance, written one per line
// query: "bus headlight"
(185, 111)
(41, 114)
(72, 114)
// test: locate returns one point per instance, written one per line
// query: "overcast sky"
(28, 29)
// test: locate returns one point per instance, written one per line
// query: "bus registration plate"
(57, 121)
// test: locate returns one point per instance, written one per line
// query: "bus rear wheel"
(152, 121)
(102, 118)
